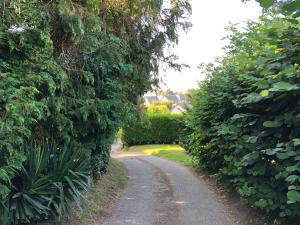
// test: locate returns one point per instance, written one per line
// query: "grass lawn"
(100, 202)
(171, 152)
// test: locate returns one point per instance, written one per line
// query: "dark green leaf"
(293, 196)
(266, 3)
(284, 86)
(292, 178)
(272, 124)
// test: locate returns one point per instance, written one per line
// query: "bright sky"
(204, 41)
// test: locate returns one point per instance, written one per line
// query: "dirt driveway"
(161, 192)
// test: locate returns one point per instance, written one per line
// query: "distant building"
(150, 99)
(177, 102)
(177, 109)
(171, 98)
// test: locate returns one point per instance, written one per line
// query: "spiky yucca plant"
(50, 179)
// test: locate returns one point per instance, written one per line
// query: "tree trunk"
(103, 14)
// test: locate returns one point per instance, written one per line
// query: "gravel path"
(161, 192)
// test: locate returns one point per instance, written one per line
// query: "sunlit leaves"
(265, 93)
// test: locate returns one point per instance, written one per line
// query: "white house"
(171, 98)
(177, 109)
(150, 99)
(178, 103)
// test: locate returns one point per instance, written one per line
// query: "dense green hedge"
(159, 129)
(69, 75)
(245, 124)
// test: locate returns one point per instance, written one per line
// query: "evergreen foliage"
(69, 76)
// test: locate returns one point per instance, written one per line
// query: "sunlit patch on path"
(118, 155)
(161, 192)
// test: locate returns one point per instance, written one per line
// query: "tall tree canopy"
(70, 70)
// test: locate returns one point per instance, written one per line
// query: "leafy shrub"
(169, 104)
(158, 109)
(245, 125)
(100, 159)
(159, 129)
(49, 180)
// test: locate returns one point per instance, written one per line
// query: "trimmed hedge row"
(159, 129)
(245, 121)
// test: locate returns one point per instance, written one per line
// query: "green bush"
(159, 109)
(50, 179)
(67, 75)
(245, 123)
(158, 129)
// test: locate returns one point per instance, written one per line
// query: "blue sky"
(204, 41)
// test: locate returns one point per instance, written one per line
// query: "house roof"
(173, 98)
(178, 109)
(151, 98)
